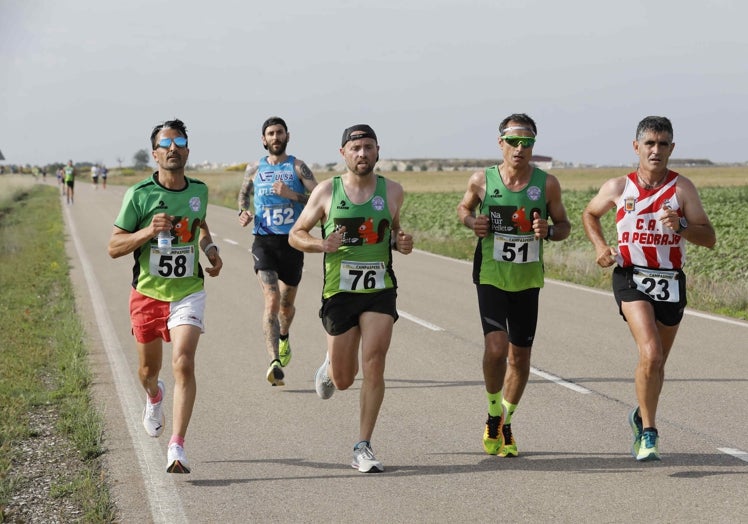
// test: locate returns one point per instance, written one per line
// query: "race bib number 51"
(357, 276)
(518, 249)
(179, 263)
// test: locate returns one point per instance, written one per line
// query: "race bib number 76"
(357, 276)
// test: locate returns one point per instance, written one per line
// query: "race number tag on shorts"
(519, 249)
(355, 276)
(659, 284)
(180, 263)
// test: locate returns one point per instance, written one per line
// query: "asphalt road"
(262, 453)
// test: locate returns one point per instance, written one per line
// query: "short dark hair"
(272, 121)
(655, 124)
(520, 118)
(175, 124)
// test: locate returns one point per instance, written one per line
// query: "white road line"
(163, 497)
(737, 453)
(428, 325)
(232, 242)
(559, 381)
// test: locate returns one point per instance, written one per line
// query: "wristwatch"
(550, 232)
(682, 224)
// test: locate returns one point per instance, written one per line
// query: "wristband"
(207, 248)
(550, 232)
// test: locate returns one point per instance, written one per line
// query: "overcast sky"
(88, 79)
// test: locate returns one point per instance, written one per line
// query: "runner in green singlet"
(508, 207)
(167, 299)
(360, 213)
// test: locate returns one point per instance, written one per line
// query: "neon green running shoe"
(635, 421)
(648, 446)
(492, 439)
(509, 446)
(284, 351)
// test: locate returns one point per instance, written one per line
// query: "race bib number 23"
(660, 285)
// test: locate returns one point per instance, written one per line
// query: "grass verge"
(45, 405)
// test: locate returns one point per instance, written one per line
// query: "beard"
(174, 163)
(362, 170)
(277, 148)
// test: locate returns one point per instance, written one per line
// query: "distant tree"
(409, 167)
(394, 167)
(140, 159)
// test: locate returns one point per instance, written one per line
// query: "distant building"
(542, 162)
(690, 162)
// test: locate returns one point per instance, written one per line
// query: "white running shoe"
(322, 383)
(176, 461)
(364, 459)
(153, 415)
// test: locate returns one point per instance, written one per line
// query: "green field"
(717, 278)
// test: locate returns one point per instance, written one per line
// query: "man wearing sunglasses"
(657, 210)
(279, 186)
(508, 208)
(167, 299)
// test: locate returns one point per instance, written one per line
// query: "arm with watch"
(211, 251)
(697, 228)
(556, 220)
(690, 220)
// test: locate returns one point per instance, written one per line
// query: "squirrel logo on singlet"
(519, 219)
(366, 231)
(183, 231)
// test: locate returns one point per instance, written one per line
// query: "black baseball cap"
(356, 132)
(273, 120)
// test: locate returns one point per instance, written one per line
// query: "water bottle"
(164, 242)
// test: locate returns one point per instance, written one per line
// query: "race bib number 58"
(179, 263)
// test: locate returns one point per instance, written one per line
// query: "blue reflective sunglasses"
(179, 141)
